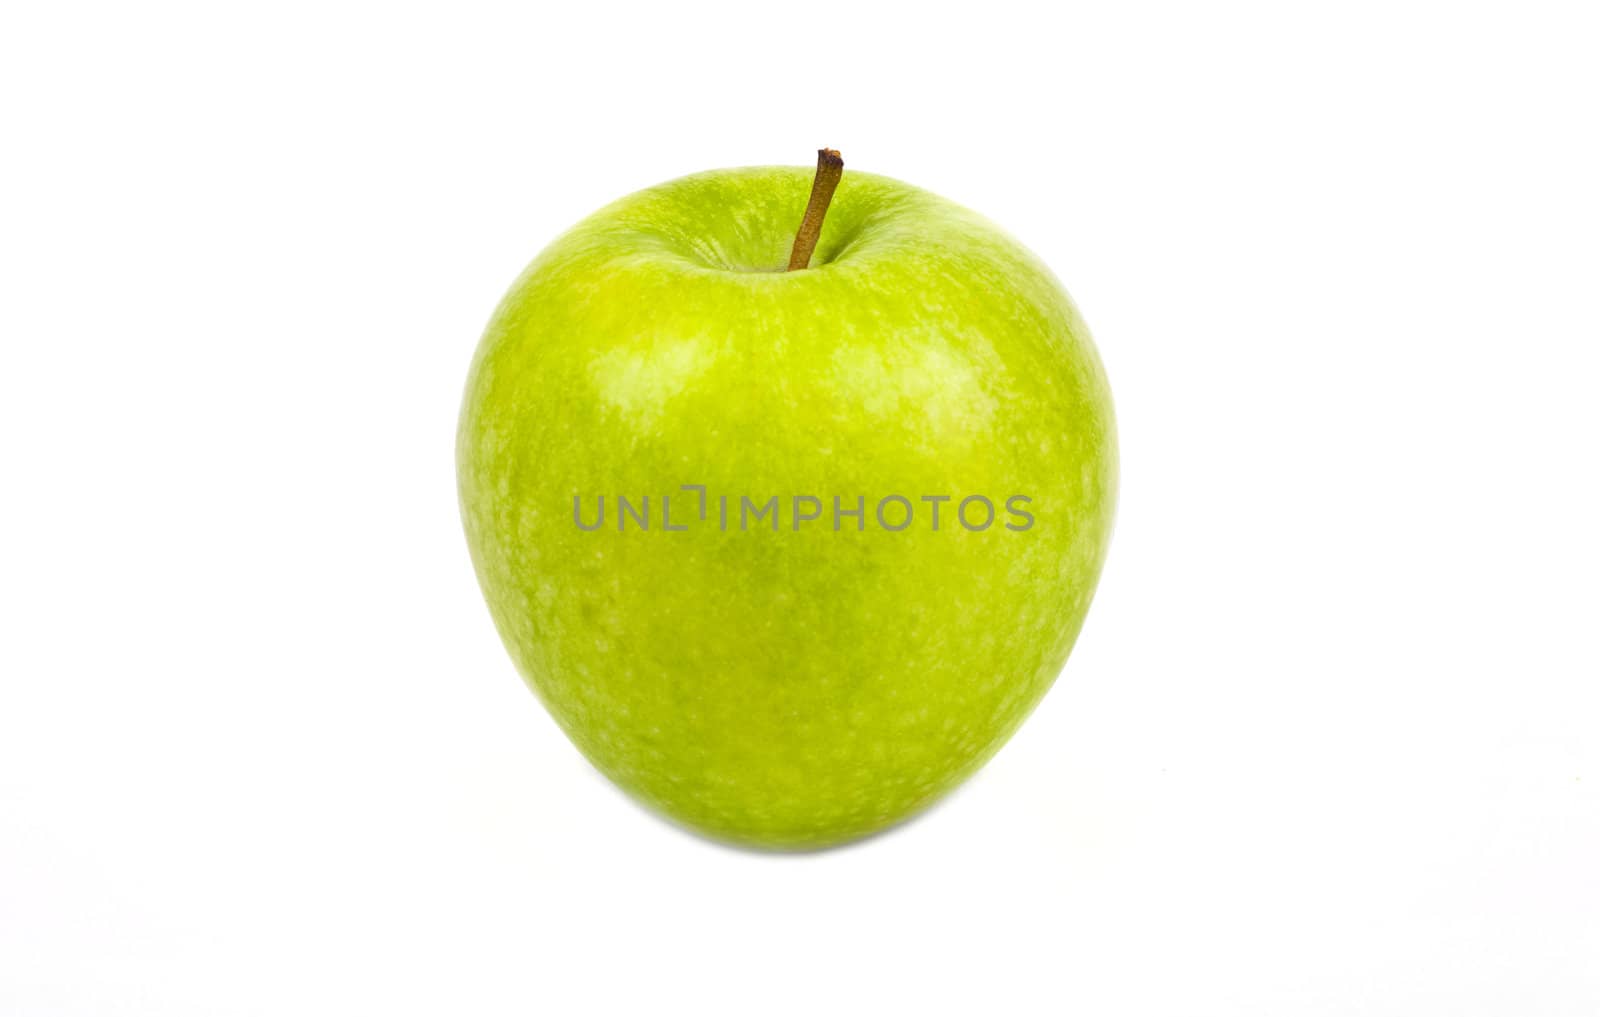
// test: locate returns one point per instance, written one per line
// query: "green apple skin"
(800, 688)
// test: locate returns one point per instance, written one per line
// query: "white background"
(1328, 744)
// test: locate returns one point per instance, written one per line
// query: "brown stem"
(829, 169)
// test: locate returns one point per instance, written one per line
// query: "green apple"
(787, 554)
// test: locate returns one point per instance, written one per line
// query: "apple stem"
(830, 167)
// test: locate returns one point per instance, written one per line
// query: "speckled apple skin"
(790, 689)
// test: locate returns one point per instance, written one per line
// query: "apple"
(789, 532)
